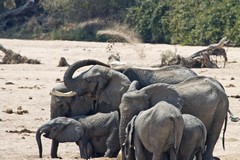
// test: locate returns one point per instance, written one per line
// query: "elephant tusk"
(62, 94)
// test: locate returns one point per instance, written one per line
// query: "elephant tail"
(39, 142)
(224, 130)
(178, 125)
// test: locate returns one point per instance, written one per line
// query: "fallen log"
(15, 58)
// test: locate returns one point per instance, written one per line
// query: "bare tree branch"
(30, 5)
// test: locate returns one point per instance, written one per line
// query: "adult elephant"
(99, 82)
(203, 97)
(167, 74)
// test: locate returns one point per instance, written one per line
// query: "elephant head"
(128, 145)
(68, 105)
(99, 82)
(61, 129)
(89, 81)
(135, 101)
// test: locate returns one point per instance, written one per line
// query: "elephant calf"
(193, 139)
(157, 130)
(96, 135)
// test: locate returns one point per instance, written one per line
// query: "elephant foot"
(211, 158)
(108, 153)
(55, 156)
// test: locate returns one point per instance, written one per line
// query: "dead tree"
(18, 11)
(15, 58)
(11, 17)
(213, 50)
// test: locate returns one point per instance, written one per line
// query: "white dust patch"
(129, 36)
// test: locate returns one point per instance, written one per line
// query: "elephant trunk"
(71, 82)
(126, 116)
(125, 119)
(39, 142)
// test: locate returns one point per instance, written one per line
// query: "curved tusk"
(62, 94)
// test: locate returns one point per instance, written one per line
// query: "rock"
(9, 83)
(9, 111)
(19, 108)
(63, 62)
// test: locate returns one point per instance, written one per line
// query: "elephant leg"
(157, 156)
(86, 149)
(54, 149)
(140, 151)
(112, 144)
(213, 134)
(199, 155)
(173, 153)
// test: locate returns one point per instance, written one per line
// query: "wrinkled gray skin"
(202, 97)
(193, 138)
(96, 135)
(157, 131)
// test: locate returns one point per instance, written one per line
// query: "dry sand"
(27, 87)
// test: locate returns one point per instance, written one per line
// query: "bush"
(188, 23)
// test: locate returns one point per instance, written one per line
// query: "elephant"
(202, 97)
(99, 82)
(153, 133)
(168, 74)
(193, 138)
(71, 104)
(96, 135)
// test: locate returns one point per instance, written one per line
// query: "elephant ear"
(133, 86)
(164, 92)
(98, 80)
(71, 131)
(130, 131)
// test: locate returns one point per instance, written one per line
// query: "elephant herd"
(165, 113)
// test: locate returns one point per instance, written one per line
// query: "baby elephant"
(153, 133)
(193, 139)
(96, 135)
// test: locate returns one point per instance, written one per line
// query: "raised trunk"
(39, 142)
(71, 82)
